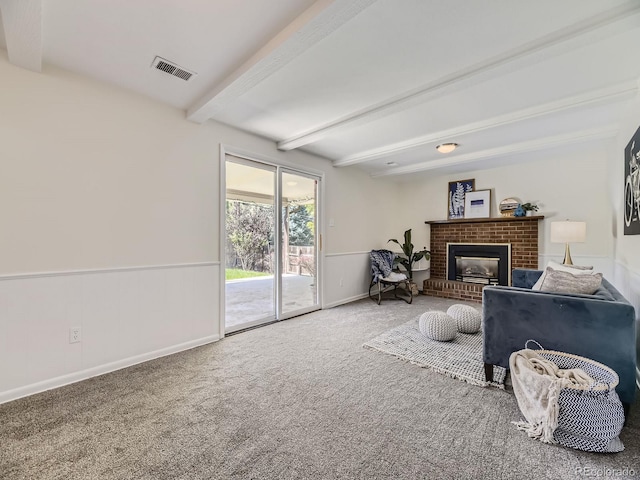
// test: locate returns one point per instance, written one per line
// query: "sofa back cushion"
(525, 277)
(603, 294)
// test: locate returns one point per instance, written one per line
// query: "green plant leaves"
(409, 255)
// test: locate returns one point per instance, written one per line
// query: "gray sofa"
(601, 327)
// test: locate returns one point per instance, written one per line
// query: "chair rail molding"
(15, 276)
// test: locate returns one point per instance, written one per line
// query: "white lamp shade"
(568, 232)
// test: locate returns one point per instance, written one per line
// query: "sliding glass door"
(250, 221)
(271, 259)
(299, 239)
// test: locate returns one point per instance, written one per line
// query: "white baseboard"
(63, 380)
(345, 300)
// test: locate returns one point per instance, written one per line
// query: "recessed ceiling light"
(446, 147)
(392, 164)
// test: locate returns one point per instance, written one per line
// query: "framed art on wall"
(457, 192)
(477, 204)
(632, 185)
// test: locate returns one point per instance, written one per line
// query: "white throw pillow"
(574, 269)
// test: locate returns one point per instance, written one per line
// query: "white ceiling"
(362, 83)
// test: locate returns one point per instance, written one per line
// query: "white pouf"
(438, 326)
(468, 319)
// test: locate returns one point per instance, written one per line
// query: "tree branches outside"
(250, 235)
(300, 225)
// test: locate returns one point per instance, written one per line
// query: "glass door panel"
(299, 266)
(250, 249)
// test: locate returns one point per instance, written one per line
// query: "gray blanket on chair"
(381, 264)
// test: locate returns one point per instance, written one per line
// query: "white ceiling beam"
(605, 95)
(22, 23)
(610, 131)
(316, 23)
(476, 72)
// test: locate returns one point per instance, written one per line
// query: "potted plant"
(410, 257)
(529, 208)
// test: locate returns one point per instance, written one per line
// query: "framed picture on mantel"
(477, 204)
(457, 192)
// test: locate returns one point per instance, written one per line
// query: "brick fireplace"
(520, 232)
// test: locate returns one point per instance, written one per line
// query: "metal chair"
(386, 279)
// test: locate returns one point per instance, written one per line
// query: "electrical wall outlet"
(75, 335)
(341, 283)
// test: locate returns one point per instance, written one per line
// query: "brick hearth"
(520, 232)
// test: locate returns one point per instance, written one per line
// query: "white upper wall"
(567, 184)
(364, 211)
(93, 176)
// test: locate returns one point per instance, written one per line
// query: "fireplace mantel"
(485, 220)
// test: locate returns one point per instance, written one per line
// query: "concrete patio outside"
(250, 299)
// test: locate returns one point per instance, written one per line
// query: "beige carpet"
(300, 399)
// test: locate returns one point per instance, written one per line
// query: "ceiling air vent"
(172, 69)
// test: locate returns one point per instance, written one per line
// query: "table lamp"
(568, 232)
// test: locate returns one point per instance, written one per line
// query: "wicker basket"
(590, 417)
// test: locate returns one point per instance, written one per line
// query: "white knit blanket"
(536, 384)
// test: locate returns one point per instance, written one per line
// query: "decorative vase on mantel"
(519, 212)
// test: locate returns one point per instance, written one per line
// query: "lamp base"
(567, 255)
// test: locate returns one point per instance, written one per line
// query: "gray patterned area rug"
(460, 358)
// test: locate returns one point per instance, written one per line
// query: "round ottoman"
(438, 326)
(467, 318)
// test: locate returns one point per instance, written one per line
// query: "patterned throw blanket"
(536, 384)
(381, 264)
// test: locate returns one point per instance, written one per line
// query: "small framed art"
(457, 192)
(477, 204)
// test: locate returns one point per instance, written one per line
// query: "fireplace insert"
(488, 264)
